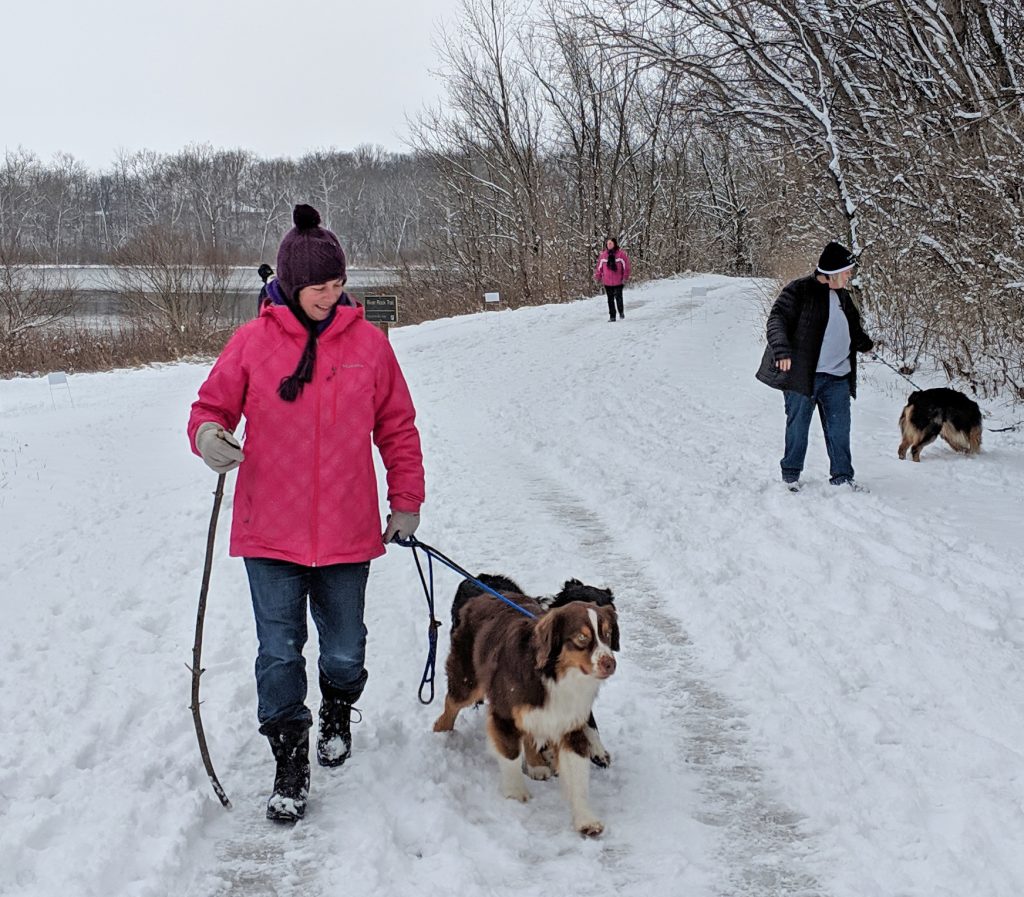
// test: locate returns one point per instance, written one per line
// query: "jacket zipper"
(316, 471)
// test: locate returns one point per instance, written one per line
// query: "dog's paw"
(589, 828)
(539, 773)
(516, 792)
(601, 758)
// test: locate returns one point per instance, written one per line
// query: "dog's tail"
(974, 440)
(966, 441)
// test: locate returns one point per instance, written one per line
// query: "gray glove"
(400, 523)
(220, 450)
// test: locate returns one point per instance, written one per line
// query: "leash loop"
(427, 581)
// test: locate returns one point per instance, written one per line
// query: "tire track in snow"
(762, 844)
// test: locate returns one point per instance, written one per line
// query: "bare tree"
(19, 198)
(909, 111)
(31, 297)
(165, 285)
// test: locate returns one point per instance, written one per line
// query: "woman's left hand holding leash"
(401, 523)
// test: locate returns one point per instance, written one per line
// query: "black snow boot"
(290, 744)
(334, 743)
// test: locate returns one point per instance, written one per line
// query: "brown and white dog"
(572, 590)
(540, 678)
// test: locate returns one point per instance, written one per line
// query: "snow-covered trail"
(818, 694)
(872, 622)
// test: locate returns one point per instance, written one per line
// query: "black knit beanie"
(308, 254)
(835, 258)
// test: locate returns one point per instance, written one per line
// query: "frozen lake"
(243, 278)
(97, 303)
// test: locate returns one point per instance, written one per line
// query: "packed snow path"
(818, 694)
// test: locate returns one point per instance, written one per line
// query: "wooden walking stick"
(197, 647)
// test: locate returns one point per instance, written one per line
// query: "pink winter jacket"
(307, 490)
(612, 275)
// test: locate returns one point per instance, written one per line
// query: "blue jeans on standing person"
(336, 596)
(832, 399)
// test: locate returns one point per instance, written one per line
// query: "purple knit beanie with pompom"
(308, 254)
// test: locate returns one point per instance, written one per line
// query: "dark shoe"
(290, 744)
(792, 485)
(852, 485)
(334, 743)
(610, 320)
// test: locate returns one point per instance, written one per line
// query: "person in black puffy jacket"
(814, 334)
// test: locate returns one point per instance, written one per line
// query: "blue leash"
(428, 590)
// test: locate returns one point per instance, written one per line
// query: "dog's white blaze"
(601, 649)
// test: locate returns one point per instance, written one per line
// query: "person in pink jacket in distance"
(612, 271)
(318, 386)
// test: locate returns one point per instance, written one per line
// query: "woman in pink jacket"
(612, 271)
(316, 384)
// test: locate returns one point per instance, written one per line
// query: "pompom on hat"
(835, 258)
(308, 254)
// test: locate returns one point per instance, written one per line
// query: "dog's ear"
(570, 583)
(547, 638)
(614, 617)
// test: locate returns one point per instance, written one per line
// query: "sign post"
(491, 299)
(60, 378)
(381, 310)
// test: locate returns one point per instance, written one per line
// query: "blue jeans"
(832, 399)
(336, 596)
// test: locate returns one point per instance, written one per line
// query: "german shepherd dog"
(930, 413)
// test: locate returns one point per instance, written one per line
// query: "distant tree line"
(704, 134)
(228, 205)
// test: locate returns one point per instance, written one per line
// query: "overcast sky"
(279, 78)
